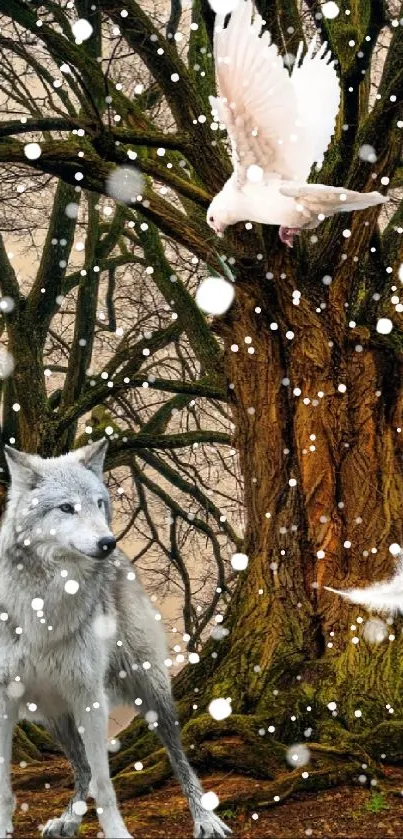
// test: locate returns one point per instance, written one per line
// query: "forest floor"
(346, 812)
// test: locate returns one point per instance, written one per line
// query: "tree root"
(136, 744)
(386, 739)
(24, 748)
(235, 745)
(40, 737)
(131, 784)
(31, 742)
(278, 791)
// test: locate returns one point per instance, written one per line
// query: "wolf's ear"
(23, 468)
(93, 456)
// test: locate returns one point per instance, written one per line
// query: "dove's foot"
(287, 235)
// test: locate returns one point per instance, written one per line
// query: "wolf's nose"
(107, 544)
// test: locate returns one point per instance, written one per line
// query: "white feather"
(257, 102)
(386, 597)
(327, 200)
(317, 89)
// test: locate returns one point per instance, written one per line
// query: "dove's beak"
(219, 229)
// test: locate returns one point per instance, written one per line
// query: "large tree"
(314, 388)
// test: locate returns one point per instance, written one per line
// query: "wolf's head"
(61, 501)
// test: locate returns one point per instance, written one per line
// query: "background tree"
(314, 387)
(159, 426)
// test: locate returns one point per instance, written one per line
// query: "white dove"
(279, 125)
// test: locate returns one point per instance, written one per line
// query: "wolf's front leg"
(153, 687)
(8, 718)
(68, 823)
(91, 716)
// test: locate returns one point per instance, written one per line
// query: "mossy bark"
(32, 742)
(323, 486)
(317, 422)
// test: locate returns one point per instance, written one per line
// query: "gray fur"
(80, 661)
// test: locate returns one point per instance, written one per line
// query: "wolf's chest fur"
(48, 652)
(42, 671)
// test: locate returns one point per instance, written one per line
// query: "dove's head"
(219, 215)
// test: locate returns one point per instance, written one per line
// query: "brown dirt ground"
(43, 789)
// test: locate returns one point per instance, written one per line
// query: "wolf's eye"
(66, 508)
(100, 503)
(211, 218)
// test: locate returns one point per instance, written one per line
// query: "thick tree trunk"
(323, 489)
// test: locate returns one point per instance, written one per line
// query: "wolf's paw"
(210, 826)
(63, 826)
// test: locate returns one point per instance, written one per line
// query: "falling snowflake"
(114, 745)
(6, 364)
(32, 151)
(330, 10)
(71, 210)
(367, 153)
(219, 709)
(214, 295)
(125, 183)
(209, 801)
(7, 305)
(194, 658)
(375, 631)
(384, 326)
(79, 808)
(298, 755)
(239, 562)
(71, 586)
(219, 632)
(15, 690)
(104, 626)
(82, 30)
(37, 604)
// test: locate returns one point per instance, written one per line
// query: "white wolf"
(77, 632)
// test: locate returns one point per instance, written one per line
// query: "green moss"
(377, 802)
(345, 28)
(386, 739)
(40, 737)
(23, 747)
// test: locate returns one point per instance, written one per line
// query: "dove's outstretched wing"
(257, 101)
(316, 199)
(317, 89)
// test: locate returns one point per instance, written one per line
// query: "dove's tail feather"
(319, 199)
(381, 597)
